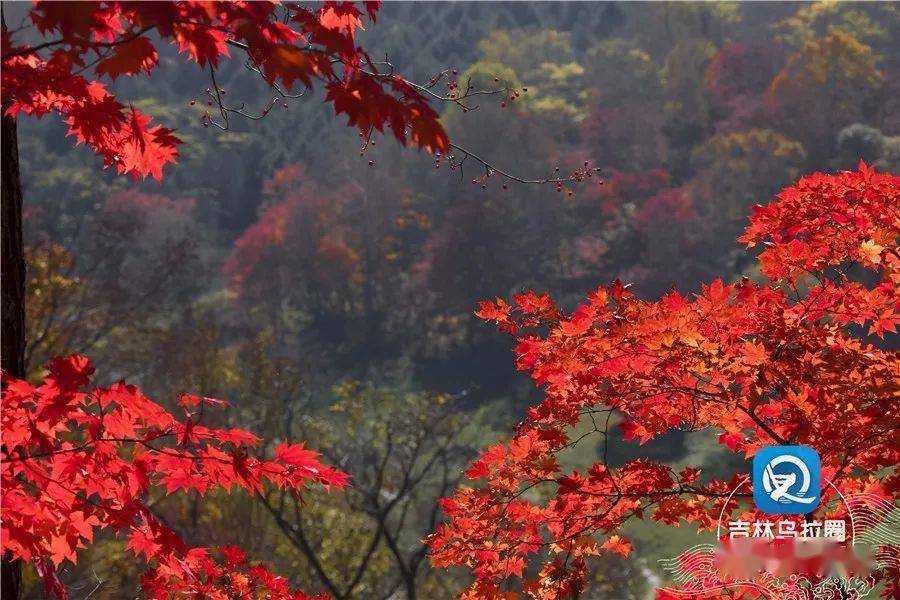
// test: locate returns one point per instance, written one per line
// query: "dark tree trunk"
(13, 267)
(12, 309)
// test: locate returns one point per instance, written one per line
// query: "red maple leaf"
(130, 58)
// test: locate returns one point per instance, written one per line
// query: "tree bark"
(12, 270)
(12, 302)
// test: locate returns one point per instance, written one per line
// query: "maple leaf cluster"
(75, 462)
(113, 39)
(222, 575)
(780, 362)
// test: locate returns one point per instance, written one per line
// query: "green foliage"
(687, 110)
(620, 71)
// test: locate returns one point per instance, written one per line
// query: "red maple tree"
(788, 361)
(76, 461)
(112, 38)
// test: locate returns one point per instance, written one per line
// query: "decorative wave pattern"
(689, 564)
(875, 522)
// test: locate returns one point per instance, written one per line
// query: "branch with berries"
(459, 95)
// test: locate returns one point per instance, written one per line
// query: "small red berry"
(503, 105)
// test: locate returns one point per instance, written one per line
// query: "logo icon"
(786, 480)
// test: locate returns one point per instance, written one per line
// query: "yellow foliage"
(837, 65)
(866, 22)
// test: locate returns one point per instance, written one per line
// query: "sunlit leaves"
(314, 45)
(824, 222)
(760, 364)
(76, 462)
(138, 55)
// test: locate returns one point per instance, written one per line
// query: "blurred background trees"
(332, 301)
